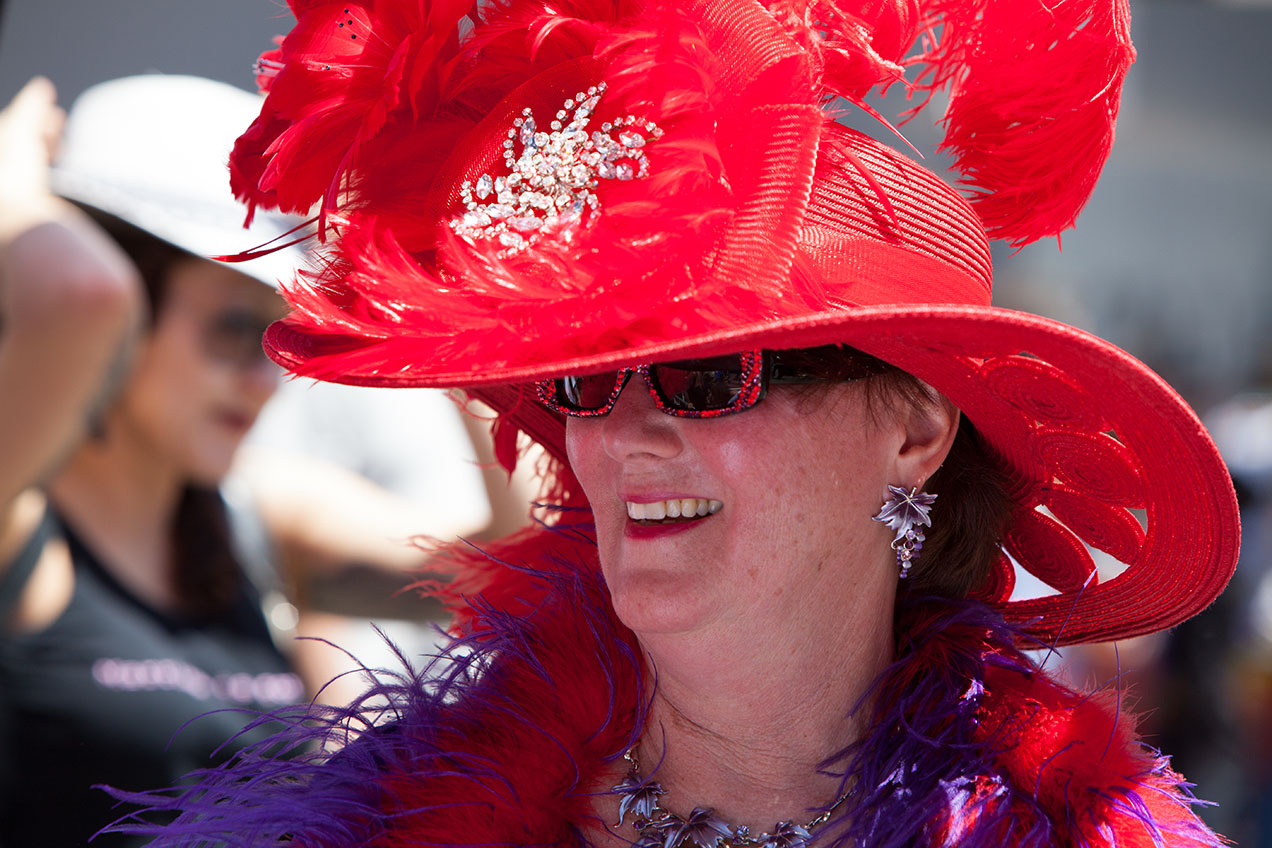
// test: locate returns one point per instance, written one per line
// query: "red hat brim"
(1101, 453)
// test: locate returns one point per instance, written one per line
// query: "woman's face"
(798, 479)
(201, 376)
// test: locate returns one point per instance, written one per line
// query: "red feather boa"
(1079, 755)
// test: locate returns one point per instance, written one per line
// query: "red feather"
(1034, 93)
(855, 47)
(1081, 755)
(336, 80)
(385, 128)
(411, 285)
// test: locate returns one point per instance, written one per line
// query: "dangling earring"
(906, 513)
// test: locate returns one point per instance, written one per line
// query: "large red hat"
(532, 189)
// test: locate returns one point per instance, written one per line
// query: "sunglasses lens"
(700, 385)
(588, 393)
(234, 337)
(689, 388)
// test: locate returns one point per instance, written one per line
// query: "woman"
(741, 332)
(125, 614)
(132, 641)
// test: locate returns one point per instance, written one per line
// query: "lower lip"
(635, 530)
(236, 423)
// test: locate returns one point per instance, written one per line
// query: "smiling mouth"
(674, 511)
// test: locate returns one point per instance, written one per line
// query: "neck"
(748, 738)
(122, 500)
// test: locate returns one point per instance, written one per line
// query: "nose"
(635, 429)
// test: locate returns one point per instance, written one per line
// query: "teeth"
(675, 508)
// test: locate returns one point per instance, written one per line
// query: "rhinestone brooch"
(550, 187)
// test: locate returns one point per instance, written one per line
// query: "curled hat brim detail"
(1101, 453)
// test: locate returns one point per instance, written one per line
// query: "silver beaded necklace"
(658, 828)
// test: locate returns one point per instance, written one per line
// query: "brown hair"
(152, 256)
(971, 513)
(207, 575)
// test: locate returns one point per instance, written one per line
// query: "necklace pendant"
(787, 835)
(657, 828)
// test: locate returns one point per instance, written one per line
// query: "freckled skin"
(799, 482)
(785, 596)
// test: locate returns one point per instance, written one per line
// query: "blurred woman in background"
(131, 369)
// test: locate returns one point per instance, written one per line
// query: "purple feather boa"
(924, 775)
(921, 757)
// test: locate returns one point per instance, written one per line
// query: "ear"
(929, 431)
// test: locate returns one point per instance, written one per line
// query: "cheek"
(584, 450)
(169, 382)
(819, 478)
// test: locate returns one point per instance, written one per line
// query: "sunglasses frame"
(233, 337)
(760, 369)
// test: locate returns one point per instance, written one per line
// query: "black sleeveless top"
(115, 692)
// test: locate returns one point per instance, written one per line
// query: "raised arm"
(69, 301)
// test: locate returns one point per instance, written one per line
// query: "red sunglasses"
(692, 388)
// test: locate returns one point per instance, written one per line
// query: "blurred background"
(1172, 260)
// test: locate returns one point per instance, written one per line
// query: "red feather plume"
(402, 281)
(1034, 93)
(333, 84)
(1034, 90)
(856, 46)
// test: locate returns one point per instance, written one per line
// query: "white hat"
(153, 150)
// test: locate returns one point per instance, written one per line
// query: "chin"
(655, 602)
(210, 468)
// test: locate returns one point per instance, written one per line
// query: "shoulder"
(19, 518)
(36, 573)
(1077, 759)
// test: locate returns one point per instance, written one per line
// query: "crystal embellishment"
(550, 188)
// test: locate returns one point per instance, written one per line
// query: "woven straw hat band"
(881, 229)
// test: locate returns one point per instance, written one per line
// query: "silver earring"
(906, 513)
